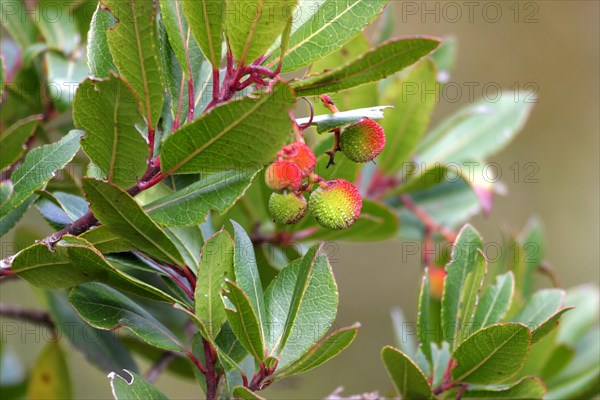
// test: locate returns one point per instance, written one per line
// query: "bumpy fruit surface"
(287, 208)
(302, 155)
(336, 206)
(363, 141)
(282, 175)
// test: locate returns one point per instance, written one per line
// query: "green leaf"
(529, 388)
(60, 208)
(205, 21)
(404, 342)
(6, 190)
(12, 140)
(180, 35)
(62, 36)
(133, 387)
(106, 241)
(244, 320)
(100, 348)
(220, 139)
(116, 209)
(39, 166)
(190, 205)
(579, 379)
(305, 271)
(74, 261)
(243, 393)
(327, 122)
(495, 302)
(246, 273)
(542, 311)
(17, 22)
(414, 98)
(332, 24)
(375, 65)
(323, 351)
(50, 378)
(377, 222)
(492, 355)
(477, 131)
(64, 75)
(586, 300)
(560, 357)
(548, 325)
(133, 43)
(444, 58)
(188, 241)
(424, 328)
(107, 110)
(440, 359)
(469, 296)
(8, 221)
(253, 25)
(465, 273)
(357, 97)
(105, 308)
(531, 242)
(100, 61)
(315, 314)
(408, 379)
(216, 265)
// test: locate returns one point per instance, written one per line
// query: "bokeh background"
(552, 44)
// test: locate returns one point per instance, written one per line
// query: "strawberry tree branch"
(34, 316)
(427, 220)
(212, 377)
(160, 366)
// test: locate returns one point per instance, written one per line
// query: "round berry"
(282, 175)
(337, 205)
(287, 208)
(302, 155)
(362, 141)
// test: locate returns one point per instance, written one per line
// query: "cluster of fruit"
(335, 204)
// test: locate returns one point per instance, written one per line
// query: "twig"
(212, 379)
(427, 220)
(547, 269)
(37, 317)
(328, 102)
(160, 366)
(460, 392)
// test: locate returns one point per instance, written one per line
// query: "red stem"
(151, 134)
(177, 119)
(216, 82)
(191, 100)
(427, 220)
(212, 378)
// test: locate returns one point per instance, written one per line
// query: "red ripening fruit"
(283, 175)
(362, 141)
(437, 275)
(302, 155)
(336, 206)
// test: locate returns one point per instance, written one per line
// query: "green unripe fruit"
(336, 206)
(363, 141)
(287, 208)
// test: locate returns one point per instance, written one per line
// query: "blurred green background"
(553, 45)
